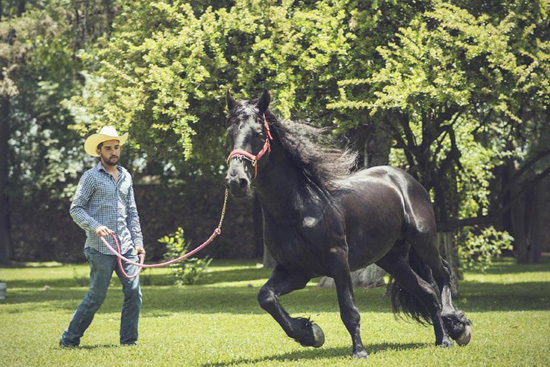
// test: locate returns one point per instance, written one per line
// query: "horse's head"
(249, 136)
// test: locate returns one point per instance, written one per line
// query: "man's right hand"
(103, 231)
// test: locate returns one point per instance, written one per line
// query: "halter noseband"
(241, 154)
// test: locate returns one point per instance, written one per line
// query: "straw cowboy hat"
(106, 133)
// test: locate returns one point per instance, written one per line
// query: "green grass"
(218, 323)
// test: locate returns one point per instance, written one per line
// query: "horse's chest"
(301, 244)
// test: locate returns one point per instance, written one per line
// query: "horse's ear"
(263, 102)
(231, 103)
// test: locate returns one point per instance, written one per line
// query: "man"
(104, 203)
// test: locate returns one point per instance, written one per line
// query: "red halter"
(250, 157)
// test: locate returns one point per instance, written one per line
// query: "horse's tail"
(407, 303)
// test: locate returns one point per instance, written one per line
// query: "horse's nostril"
(243, 183)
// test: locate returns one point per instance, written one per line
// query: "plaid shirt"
(99, 200)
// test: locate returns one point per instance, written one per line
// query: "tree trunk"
(528, 224)
(5, 233)
(377, 147)
(449, 251)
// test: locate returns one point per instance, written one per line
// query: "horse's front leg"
(348, 311)
(280, 283)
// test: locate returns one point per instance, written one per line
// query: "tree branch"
(493, 216)
(521, 171)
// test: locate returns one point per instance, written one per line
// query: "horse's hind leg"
(396, 262)
(348, 311)
(456, 323)
(280, 283)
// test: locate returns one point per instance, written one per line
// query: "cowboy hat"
(106, 133)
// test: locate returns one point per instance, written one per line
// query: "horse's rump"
(377, 213)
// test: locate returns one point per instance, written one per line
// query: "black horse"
(320, 220)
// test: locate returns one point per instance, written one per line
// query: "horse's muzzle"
(238, 186)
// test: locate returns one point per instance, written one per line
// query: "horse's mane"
(313, 152)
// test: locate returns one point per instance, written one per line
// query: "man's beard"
(110, 161)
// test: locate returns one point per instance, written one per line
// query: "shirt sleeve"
(79, 206)
(133, 218)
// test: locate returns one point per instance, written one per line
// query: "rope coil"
(141, 265)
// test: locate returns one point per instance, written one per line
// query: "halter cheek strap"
(241, 154)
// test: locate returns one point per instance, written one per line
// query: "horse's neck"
(280, 189)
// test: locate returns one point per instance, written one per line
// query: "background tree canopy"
(455, 92)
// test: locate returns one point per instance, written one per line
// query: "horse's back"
(381, 205)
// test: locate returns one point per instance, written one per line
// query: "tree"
(167, 65)
(454, 89)
(39, 42)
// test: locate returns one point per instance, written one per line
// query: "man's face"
(110, 152)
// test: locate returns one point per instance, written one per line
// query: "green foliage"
(481, 248)
(166, 68)
(41, 72)
(188, 271)
(459, 88)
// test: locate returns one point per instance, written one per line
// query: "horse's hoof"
(361, 354)
(311, 335)
(446, 343)
(465, 337)
(318, 336)
(458, 327)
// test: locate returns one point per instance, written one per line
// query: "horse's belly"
(364, 251)
(374, 217)
(292, 251)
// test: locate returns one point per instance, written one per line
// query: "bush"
(481, 248)
(188, 271)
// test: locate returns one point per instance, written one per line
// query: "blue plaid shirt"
(99, 200)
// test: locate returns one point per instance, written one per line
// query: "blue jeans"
(101, 270)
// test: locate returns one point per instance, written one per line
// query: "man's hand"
(140, 250)
(103, 231)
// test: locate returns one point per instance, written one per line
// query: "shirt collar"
(100, 168)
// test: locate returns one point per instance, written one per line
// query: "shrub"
(480, 248)
(188, 271)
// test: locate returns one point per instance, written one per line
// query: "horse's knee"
(351, 317)
(266, 298)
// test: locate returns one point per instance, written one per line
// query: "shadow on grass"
(489, 297)
(151, 279)
(93, 347)
(510, 266)
(196, 299)
(317, 354)
(476, 297)
(235, 275)
(33, 265)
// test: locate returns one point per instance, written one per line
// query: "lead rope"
(141, 265)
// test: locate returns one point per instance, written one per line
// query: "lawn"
(218, 323)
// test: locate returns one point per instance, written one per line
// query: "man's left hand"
(141, 250)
